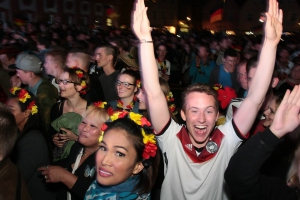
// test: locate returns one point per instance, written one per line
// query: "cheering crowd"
(92, 116)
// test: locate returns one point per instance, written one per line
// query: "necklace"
(129, 107)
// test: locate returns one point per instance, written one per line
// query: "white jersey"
(191, 176)
(165, 68)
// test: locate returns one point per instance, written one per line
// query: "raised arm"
(247, 112)
(157, 104)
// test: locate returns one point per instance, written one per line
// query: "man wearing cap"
(28, 69)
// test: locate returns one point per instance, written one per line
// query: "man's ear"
(183, 116)
(275, 82)
(138, 167)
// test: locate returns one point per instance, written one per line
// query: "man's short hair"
(8, 131)
(230, 52)
(82, 55)
(59, 54)
(201, 88)
(111, 50)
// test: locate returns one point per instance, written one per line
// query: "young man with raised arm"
(196, 155)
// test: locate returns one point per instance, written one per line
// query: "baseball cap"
(27, 62)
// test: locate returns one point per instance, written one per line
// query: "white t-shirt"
(166, 64)
(192, 177)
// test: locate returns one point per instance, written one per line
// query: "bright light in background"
(189, 19)
(230, 32)
(178, 35)
(212, 31)
(171, 29)
(249, 33)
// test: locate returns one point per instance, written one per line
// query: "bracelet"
(145, 41)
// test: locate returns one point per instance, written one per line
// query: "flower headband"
(23, 96)
(102, 104)
(146, 130)
(79, 73)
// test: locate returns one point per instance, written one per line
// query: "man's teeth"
(201, 127)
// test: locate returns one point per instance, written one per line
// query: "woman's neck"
(90, 150)
(126, 101)
(76, 104)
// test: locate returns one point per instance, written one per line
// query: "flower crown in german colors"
(149, 139)
(23, 96)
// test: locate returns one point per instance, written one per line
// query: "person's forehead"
(242, 68)
(162, 48)
(230, 58)
(199, 99)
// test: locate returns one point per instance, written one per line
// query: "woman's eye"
(102, 148)
(120, 154)
(83, 122)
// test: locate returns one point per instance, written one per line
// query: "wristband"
(145, 41)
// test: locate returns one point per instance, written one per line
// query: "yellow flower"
(24, 98)
(14, 89)
(83, 83)
(34, 109)
(136, 118)
(148, 138)
(115, 116)
(101, 136)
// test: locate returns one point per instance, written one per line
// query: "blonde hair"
(99, 114)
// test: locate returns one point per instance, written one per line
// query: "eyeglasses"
(125, 84)
(65, 82)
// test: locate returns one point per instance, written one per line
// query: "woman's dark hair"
(73, 76)
(132, 73)
(149, 173)
(34, 121)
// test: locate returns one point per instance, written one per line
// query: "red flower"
(145, 122)
(149, 151)
(103, 127)
(123, 114)
(225, 95)
(110, 111)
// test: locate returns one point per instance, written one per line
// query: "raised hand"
(273, 25)
(139, 21)
(287, 116)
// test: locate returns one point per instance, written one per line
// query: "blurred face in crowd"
(242, 75)
(141, 95)
(284, 56)
(24, 76)
(269, 113)
(229, 63)
(50, 65)
(202, 53)
(6, 62)
(161, 52)
(295, 73)
(14, 107)
(125, 90)
(224, 44)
